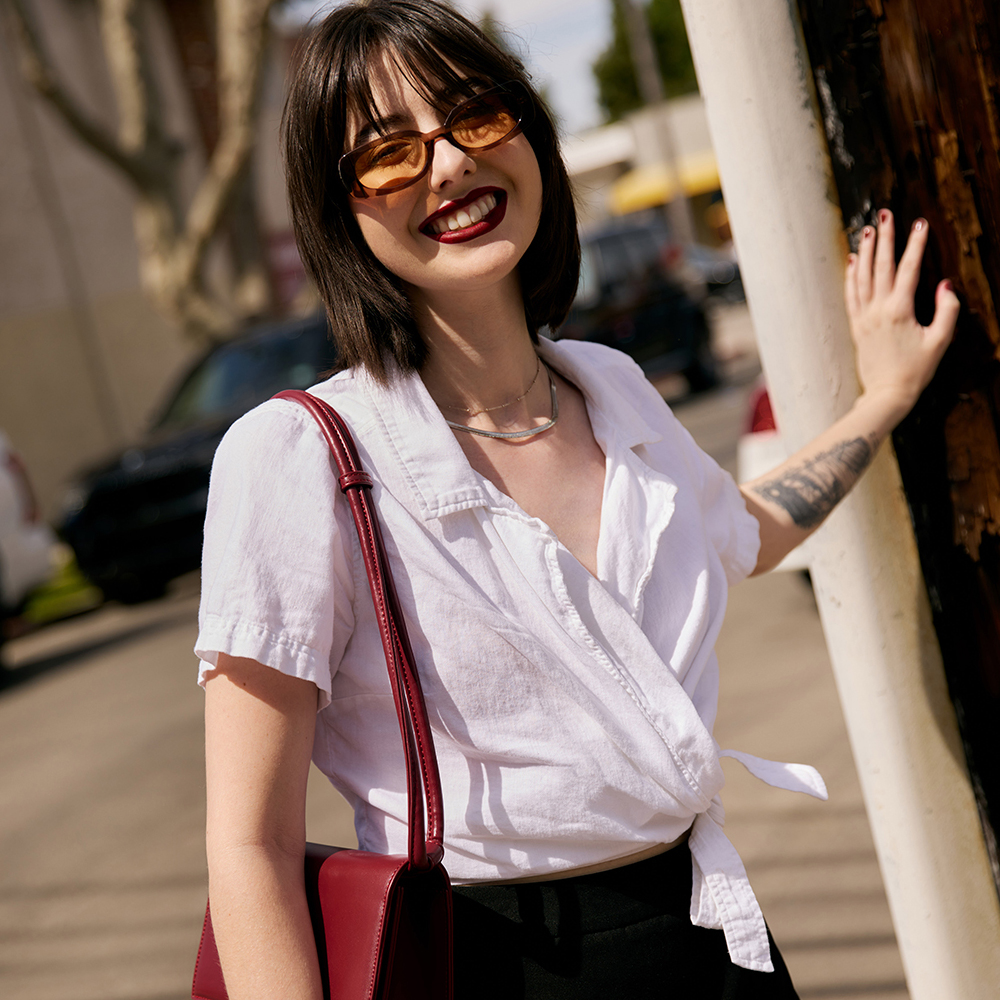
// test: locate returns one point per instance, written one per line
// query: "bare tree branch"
(202, 313)
(242, 36)
(171, 243)
(37, 70)
(120, 30)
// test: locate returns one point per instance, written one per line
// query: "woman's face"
(410, 231)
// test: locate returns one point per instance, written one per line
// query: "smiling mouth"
(475, 215)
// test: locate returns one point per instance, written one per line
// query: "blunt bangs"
(440, 53)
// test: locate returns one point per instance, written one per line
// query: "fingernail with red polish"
(867, 232)
(948, 286)
(883, 216)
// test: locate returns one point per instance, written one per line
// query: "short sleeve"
(732, 530)
(277, 585)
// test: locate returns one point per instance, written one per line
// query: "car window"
(627, 255)
(238, 376)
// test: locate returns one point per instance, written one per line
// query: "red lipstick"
(484, 225)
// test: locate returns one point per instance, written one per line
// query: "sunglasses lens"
(483, 123)
(398, 160)
(391, 163)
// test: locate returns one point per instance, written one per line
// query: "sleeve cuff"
(255, 642)
(747, 548)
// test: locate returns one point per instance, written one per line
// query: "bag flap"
(355, 890)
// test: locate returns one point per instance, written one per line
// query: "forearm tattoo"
(811, 490)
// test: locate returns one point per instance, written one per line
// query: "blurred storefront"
(616, 169)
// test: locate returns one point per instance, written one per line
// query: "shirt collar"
(602, 377)
(422, 448)
(430, 459)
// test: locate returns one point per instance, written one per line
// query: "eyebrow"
(455, 96)
(380, 127)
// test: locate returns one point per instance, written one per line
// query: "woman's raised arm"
(896, 358)
(259, 726)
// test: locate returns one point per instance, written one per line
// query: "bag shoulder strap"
(422, 776)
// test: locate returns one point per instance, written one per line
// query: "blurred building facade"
(617, 168)
(84, 359)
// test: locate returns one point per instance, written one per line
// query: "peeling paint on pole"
(912, 88)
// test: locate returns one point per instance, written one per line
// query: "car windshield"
(238, 376)
(628, 254)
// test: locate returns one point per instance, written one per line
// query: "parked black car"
(135, 521)
(632, 297)
(718, 269)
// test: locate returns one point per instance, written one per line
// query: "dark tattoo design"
(810, 491)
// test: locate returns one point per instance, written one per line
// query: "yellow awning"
(651, 185)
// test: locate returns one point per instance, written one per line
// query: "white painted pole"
(754, 75)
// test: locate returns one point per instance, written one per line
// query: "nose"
(448, 163)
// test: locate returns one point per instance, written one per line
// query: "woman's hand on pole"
(896, 356)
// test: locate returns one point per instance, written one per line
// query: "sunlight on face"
(465, 224)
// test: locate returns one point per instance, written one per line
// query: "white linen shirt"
(572, 715)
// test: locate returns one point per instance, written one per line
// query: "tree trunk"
(173, 239)
(909, 92)
(191, 22)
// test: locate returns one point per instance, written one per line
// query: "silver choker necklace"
(511, 435)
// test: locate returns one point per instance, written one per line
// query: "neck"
(479, 350)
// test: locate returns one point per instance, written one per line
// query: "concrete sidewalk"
(811, 863)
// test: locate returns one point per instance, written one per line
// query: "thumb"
(946, 310)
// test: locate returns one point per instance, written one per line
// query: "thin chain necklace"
(531, 431)
(499, 406)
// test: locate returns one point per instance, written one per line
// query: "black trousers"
(624, 934)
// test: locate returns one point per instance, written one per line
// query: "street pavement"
(102, 878)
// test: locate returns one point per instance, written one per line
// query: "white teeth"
(467, 216)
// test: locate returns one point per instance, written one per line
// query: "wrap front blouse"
(572, 715)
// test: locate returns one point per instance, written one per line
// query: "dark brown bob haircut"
(436, 48)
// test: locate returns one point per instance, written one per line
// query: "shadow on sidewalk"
(29, 670)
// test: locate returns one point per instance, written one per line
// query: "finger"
(908, 272)
(866, 253)
(851, 297)
(946, 310)
(885, 253)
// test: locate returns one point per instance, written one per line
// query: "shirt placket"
(545, 569)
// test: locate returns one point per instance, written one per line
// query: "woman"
(561, 547)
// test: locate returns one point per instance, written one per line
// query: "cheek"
(383, 223)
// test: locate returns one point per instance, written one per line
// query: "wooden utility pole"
(775, 162)
(908, 91)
